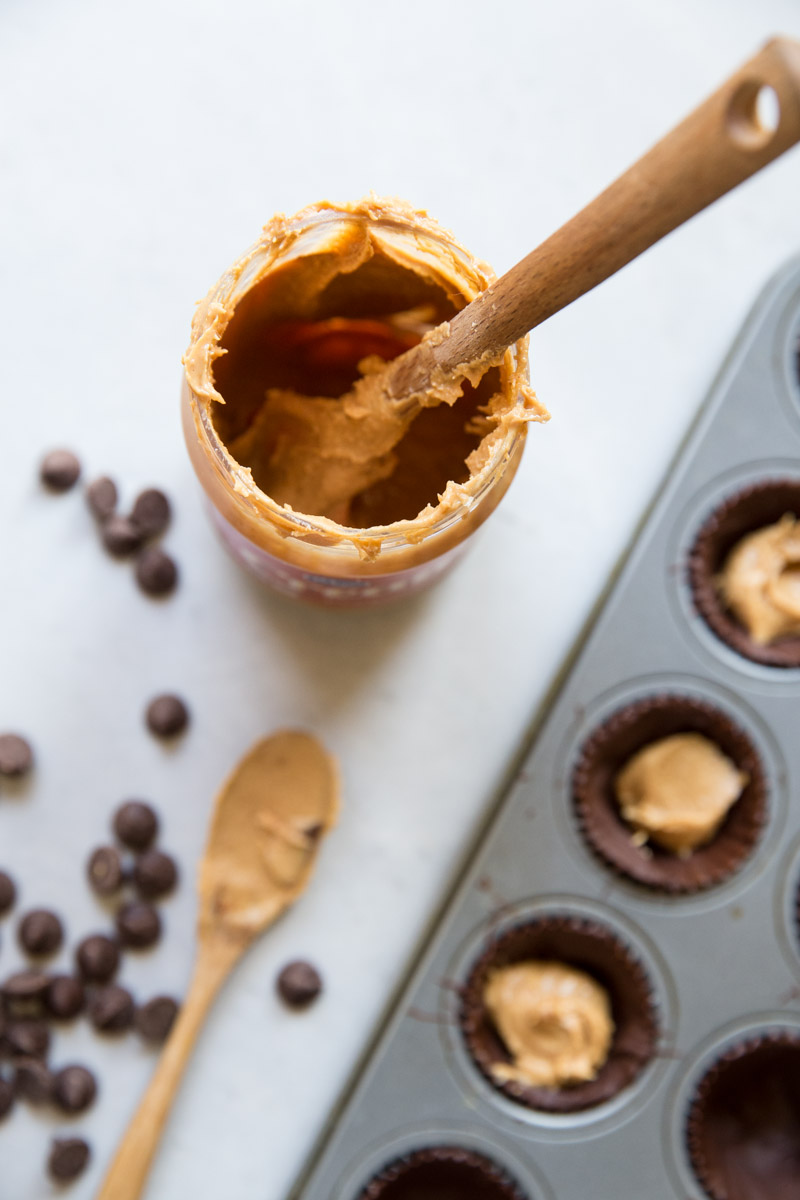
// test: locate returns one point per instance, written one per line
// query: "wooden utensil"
(719, 145)
(268, 822)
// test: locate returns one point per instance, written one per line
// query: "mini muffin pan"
(704, 969)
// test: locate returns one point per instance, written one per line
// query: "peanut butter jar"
(315, 298)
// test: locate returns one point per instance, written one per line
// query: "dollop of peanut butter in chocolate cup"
(442, 1173)
(664, 863)
(744, 572)
(743, 1127)
(583, 949)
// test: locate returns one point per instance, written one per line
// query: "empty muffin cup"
(596, 951)
(743, 1127)
(753, 508)
(608, 750)
(442, 1173)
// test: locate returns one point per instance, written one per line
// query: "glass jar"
(318, 293)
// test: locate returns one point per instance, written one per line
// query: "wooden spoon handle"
(129, 1169)
(718, 146)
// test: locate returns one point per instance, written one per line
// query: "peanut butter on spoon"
(268, 823)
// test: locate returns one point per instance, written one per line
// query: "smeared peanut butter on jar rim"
(320, 300)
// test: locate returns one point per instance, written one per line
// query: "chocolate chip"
(121, 537)
(101, 496)
(151, 512)
(135, 824)
(167, 716)
(74, 1088)
(32, 1080)
(298, 984)
(16, 755)
(111, 1009)
(60, 470)
(40, 932)
(68, 1158)
(25, 986)
(29, 1039)
(138, 924)
(156, 572)
(97, 957)
(104, 870)
(155, 1019)
(8, 893)
(65, 997)
(6, 1097)
(155, 874)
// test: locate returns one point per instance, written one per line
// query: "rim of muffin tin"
(497, 1104)
(405, 1141)
(687, 529)
(787, 905)
(642, 896)
(787, 351)
(699, 1061)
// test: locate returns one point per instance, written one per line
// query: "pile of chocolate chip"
(31, 1000)
(129, 536)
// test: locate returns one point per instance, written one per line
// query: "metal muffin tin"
(723, 963)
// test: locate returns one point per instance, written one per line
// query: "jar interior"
(307, 324)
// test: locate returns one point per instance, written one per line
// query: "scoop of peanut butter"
(760, 581)
(554, 1020)
(677, 791)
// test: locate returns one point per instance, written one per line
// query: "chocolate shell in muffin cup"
(743, 1125)
(442, 1173)
(585, 945)
(745, 512)
(614, 743)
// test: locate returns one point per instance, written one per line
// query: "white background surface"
(142, 146)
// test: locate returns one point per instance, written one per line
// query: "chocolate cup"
(747, 510)
(442, 1173)
(609, 834)
(743, 1127)
(597, 950)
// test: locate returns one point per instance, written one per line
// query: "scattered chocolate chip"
(68, 1158)
(74, 1088)
(135, 824)
(6, 1097)
(29, 1039)
(111, 1009)
(155, 1019)
(40, 932)
(32, 1080)
(151, 512)
(97, 957)
(104, 870)
(121, 537)
(138, 925)
(26, 985)
(65, 997)
(155, 874)
(298, 984)
(60, 470)
(8, 893)
(101, 496)
(167, 716)
(156, 572)
(16, 755)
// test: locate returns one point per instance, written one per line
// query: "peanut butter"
(677, 791)
(554, 1020)
(760, 581)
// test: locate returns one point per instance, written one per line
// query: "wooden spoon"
(719, 145)
(268, 822)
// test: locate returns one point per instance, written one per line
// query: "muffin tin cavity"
(744, 512)
(607, 750)
(594, 948)
(443, 1173)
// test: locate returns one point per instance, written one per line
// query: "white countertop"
(141, 148)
